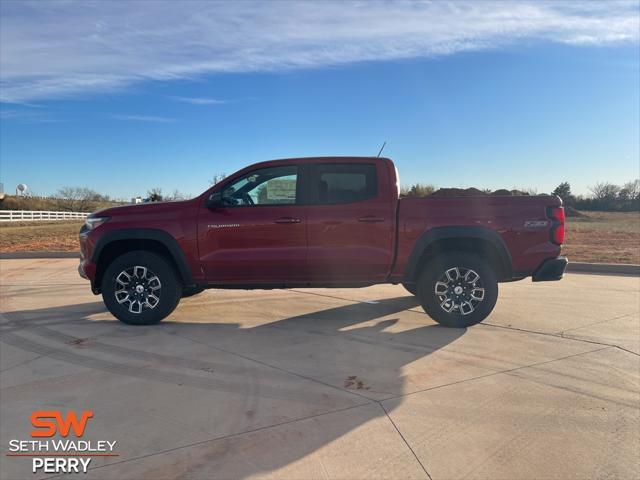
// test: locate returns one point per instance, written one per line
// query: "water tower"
(21, 189)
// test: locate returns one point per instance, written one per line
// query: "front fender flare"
(160, 236)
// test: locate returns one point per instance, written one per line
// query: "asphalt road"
(345, 383)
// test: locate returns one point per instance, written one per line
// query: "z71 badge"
(536, 223)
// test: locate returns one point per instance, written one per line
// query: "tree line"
(605, 196)
(68, 199)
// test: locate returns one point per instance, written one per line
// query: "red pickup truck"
(321, 222)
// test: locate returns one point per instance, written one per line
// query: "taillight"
(556, 214)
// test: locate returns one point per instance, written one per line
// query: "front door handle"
(287, 220)
(370, 219)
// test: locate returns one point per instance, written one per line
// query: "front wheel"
(191, 291)
(412, 288)
(140, 288)
(458, 289)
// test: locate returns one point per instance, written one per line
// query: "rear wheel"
(412, 288)
(140, 288)
(458, 289)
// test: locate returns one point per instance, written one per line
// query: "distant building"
(136, 200)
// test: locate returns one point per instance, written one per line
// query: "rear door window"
(335, 183)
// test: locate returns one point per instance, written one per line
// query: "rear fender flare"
(461, 232)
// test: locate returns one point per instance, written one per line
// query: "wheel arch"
(116, 243)
(472, 239)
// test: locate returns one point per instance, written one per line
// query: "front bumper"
(82, 272)
(87, 269)
(551, 269)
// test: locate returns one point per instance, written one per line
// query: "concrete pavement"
(317, 383)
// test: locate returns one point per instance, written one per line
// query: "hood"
(145, 208)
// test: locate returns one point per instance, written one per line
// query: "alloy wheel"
(138, 289)
(459, 290)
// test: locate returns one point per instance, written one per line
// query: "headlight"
(94, 222)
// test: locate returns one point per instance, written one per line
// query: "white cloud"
(144, 118)
(57, 49)
(200, 100)
(26, 116)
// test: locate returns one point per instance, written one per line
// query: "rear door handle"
(287, 220)
(370, 219)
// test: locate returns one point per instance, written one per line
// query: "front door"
(258, 233)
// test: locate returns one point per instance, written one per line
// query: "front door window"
(266, 186)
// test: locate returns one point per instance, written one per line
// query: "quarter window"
(344, 183)
(266, 186)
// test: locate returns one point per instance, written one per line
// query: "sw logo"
(61, 454)
(49, 422)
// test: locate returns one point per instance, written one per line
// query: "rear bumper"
(551, 269)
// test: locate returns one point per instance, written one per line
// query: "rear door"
(258, 235)
(351, 222)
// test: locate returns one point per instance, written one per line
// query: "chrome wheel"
(138, 289)
(459, 290)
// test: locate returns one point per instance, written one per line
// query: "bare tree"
(605, 195)
(605, 191)
(77, 199)
(155, 194)
(217, 178)
(176, 195)
(630, 191)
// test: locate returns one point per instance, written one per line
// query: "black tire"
(412, 288)
(191, 291)
(451, 309)
(121, 298)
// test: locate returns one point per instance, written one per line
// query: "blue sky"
(123, 97)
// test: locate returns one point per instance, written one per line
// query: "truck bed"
(520, 221)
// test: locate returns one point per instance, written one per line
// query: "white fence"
(28, 215)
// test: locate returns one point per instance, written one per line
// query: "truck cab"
(311, 221)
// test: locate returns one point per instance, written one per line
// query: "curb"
(29, 255)
(572, 267)
(610, 268)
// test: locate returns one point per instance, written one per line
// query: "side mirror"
(214, 201)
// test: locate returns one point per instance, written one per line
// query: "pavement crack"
(147, 371)
(599, 322)
(479, 377)
(22, 363)
(224, 437)
(559, 335)
(404, 440)
(275, 367)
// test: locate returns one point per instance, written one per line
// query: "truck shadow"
(349, 357)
